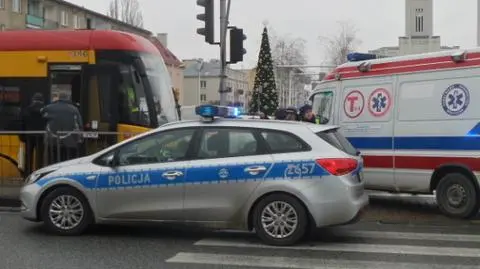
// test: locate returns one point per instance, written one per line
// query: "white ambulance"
(416, 121)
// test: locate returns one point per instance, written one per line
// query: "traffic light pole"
(224, 14)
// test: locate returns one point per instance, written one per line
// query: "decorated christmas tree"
(264, 96)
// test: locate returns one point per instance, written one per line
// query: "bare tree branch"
(128, 11)
(339, 46)
(288, 50)
(112, 10)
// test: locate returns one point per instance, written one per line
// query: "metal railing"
(22, 152)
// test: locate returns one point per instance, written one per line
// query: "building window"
(64, 18)
(17, 6)
(203, 84)
(419, 20)
(76, 22)
(203, 97)
(2, 3)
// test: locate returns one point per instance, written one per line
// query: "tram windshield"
(161, 86)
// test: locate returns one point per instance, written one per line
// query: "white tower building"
(419, 36)
(478, 23)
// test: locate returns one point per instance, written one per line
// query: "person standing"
(32, 121)
(306, 114)
(63, 127)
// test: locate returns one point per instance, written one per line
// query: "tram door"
(99, 99)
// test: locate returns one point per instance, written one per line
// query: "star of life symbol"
(379, 102)
(455, 99)
(223, 173)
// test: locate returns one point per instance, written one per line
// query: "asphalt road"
(24, 245)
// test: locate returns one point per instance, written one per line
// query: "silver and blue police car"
(278, 178)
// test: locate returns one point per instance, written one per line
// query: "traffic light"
(209, 18)
(236, 45)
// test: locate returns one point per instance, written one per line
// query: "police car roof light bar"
(212, 111)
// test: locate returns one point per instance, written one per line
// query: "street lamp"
(200, 64)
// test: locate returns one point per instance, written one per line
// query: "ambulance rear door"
(437, 126)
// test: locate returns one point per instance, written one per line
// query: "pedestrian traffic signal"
(236, 45)
(208, 17)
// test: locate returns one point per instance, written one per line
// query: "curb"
(8, 203)
(9, 209)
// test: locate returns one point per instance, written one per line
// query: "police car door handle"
(255, 169)
(172, 174)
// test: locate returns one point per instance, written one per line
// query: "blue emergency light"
(357, 57)
(211, 111)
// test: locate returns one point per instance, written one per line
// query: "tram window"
(10, 107)
(66, 83)
(133, 104)
(104, 83)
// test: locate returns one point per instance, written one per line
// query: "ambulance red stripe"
(418, 162)
(405, 66)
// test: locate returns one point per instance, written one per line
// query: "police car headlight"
(35, 176)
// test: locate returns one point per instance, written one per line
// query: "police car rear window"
(334, 138)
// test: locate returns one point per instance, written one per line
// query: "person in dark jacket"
(64, 121)
(292, 114)
(280, 114)
(286, 114)
(306, 114)
(32, 121)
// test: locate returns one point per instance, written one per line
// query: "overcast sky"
(379, 22)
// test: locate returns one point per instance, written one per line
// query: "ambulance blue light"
(356, 57)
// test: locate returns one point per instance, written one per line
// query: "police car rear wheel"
(457, 196)
(280, 220)
(65, 211)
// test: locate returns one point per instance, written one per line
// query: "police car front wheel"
(65, 211)
(280, 220)
(457, 196)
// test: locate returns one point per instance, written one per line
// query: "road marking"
(409, 236)
(300, 263)
(363, 248)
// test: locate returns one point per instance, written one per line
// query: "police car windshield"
(161, 85)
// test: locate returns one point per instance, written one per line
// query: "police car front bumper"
(29, 197)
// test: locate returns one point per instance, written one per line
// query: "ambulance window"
(322, 105)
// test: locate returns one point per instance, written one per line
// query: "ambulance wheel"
(280, 220)
(65, 211)
(457, 196)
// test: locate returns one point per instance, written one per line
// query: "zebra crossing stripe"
(409, 236)
(299, 263)
(362, 248)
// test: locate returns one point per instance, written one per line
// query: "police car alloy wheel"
(280, 220)
(457, 196)
(65, 211)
